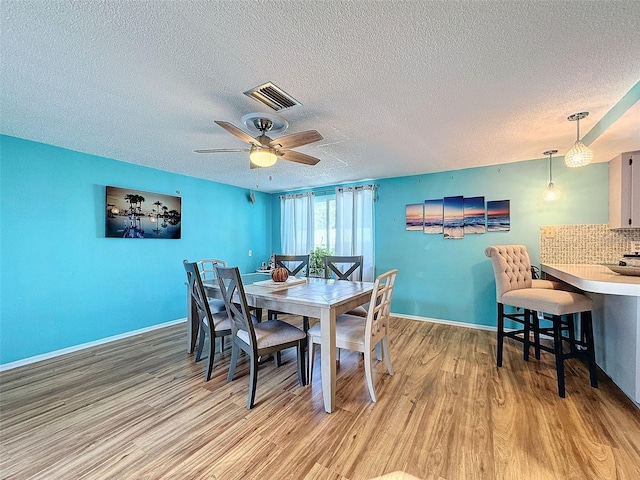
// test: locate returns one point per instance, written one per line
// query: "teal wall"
(63, 284)
(452, 279)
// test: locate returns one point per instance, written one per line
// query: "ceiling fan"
(264, 150)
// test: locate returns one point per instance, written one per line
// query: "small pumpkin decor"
(280, 274)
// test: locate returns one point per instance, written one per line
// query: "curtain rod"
(373, 186)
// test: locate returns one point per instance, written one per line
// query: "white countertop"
(594, 278)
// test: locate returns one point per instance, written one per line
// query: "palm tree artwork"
(128, 218)
(134, 228)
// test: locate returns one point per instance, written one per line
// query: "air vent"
(272, 96)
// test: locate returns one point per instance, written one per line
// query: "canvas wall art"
(138, 214)
(433, 216)
(414, 216)
(474, 215)
(498, 216)
(454, 217)
(457, 216)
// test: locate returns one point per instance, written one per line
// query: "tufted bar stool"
(515, 287)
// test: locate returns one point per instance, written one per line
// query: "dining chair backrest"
(235, 301)
(343, 267)
(195, 288)
(295, 264)
(380, 305)
(207, 267)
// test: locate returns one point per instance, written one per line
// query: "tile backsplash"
(585, 243)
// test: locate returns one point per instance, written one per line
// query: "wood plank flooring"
(139, 408)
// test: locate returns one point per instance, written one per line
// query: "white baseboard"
(445, 322)
(460, 324)
(75, 348)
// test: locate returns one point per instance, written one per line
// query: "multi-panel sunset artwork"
(457, 216)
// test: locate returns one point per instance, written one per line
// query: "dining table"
(312, 297)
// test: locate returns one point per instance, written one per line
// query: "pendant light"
(579, 155)
(551, 193)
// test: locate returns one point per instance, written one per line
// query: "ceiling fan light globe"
(579, 155)
(263, 157)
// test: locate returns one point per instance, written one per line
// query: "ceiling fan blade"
(298, 157)
(219, 150)
(296, 139)
(233, 130)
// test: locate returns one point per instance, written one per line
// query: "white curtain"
(297, 223)
(354, 225)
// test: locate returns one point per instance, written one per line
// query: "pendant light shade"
(579, 155)
(551, 193)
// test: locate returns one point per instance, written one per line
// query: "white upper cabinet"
(624, 191)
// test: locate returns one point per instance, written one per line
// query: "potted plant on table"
(316, 261)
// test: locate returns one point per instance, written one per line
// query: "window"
(340, 222)
(324, 217)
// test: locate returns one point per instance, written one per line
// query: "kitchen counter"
(594, 278)
(616, 319)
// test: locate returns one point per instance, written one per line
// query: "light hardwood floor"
(139, 408)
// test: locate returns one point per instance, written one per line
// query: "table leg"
(328, 358)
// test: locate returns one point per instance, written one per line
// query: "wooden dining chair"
(362, 335)
(346, 267)
(255, 339)
(206, 268)
(212, 324)
(297, 266)
(343, 267)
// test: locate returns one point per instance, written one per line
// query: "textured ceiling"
(395, 88)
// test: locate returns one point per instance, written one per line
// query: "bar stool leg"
(557, 345)
(587, 329)
(527, 333)
(500, 339)
(571, 327)
(536, 335)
